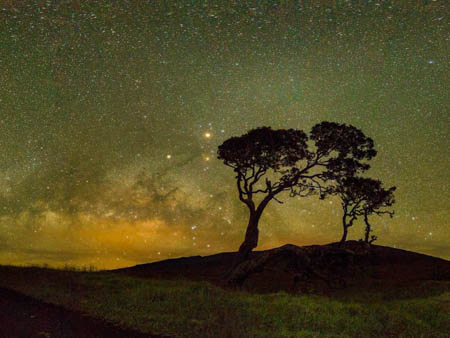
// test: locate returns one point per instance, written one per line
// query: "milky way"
(111, 113)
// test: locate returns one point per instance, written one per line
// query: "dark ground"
(23, 316)
(359, 267)
(355, 264)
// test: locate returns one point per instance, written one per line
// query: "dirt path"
(23, 316)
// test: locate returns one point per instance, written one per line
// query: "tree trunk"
(368, 229)
(366, 237)
(251, 236)
(344, 235)
(344, 225)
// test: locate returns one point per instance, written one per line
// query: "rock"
(300, 269)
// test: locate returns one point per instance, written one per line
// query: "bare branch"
(241, 193)
(277, 200)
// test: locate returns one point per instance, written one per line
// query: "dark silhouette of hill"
(308, 269)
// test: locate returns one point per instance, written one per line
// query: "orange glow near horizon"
(110, 127)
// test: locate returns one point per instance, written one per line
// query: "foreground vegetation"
(194, 309)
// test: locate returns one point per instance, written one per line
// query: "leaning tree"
(362, 196)
(287, 163)
(262, 151)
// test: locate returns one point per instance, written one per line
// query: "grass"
(195, 309)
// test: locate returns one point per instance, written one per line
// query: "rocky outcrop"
(307, 269)
(301, 269)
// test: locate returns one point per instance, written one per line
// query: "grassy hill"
(177, 306)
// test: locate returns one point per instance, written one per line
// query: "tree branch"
(256, 176)
(276, 199)
(248, 201)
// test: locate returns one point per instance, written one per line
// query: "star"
(122, 136)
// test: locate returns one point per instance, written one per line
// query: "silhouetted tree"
(282, 156)
(378, 199)
(251, 156)
(362, 196)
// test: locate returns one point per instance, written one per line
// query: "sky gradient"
(111, 113)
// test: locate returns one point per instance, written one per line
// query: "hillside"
(317, 268)
(359, 292)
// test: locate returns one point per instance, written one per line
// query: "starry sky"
(111, 113)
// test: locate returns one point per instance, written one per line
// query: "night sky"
(111, 113)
